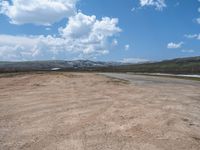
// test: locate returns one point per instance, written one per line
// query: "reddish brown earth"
(86, 111)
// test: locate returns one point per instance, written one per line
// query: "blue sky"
(107, 30)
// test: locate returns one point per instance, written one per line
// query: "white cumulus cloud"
(114, 42)
(198, 19)
(173, 45)
(89, 33)
(158, 4)
(40, 12)
(127, 47)
(83, 35)
(192, 36)
(16, 48)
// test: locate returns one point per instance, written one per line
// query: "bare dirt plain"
(87, 111)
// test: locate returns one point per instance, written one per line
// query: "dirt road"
(82, 111)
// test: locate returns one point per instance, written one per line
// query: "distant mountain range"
(190, 65)
(54, 65)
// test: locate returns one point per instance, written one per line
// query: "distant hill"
(77, 65)
(189, 65)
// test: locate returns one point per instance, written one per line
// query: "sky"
(101, 30)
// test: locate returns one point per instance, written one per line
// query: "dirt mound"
(80, 111)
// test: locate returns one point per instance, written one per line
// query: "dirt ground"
(88, 111)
